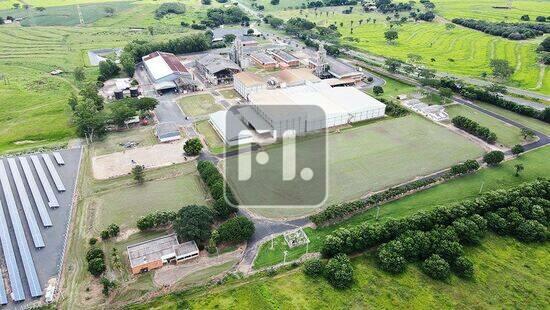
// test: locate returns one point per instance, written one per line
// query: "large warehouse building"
(341, 105)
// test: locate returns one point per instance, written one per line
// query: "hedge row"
(342, 210)
(216, 183)
(474, 128)
(393, 109)
(364, 236)
(155, 219)
(512, 31)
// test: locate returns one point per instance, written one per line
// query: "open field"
(213, 141)
(393, 88)
(197, 105)
(507, 135)
(375, 156)
(483, 9)
(143, 136)
(535, 163)
(507, 274)
(230, 94)
(460, 51)
(530, 122)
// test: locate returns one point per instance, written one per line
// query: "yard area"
(507, 135)
(466, 187)
(114, 141)
(213, 141)
(197, 105)
(393, 88)
(230, 94)
(373, 157)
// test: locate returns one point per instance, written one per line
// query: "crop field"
(460, 51)
(375, 156)
(507, 135)
(484, 9)
(507, 274)
(466, 187)
(197, 105)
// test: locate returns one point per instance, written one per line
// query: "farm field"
(197, 105)
(213, 141)
(360, 159)
(459, 51)
(530, 122)
(466, 187)
(507, 135)
(507, 274)
(483, 9)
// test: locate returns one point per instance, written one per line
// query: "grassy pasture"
(460, 51)
(374, 156)
(393, 88)
(506, 134)
(197, 105)
(507, 274)
(467, 187)
(530, 122)
(213, 141)
(484, 9)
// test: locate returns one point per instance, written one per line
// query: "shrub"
(113, 230)
(493, 158)
(236, 230)
(314, 267)
(390, 258)
(223, 210)
(339, 271)
(104, 234)
(169, 8)
(192, 147)
(96, 266)
(531, 231)
(92, 241)
(436, 267)
(93, 253)
(474, 128)
(517, 149)
(155, 219)
(466, 167)
(108, 69)
(463, 267)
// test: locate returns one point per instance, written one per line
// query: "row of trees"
(486, 95)
(169, 8)
(474, 128)
(393, 109)
(338, 270)
(216, 183)
(365, 236)
(221, 16)
(512, 31)
(156, 219)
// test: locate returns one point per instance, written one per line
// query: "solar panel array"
(18, 193)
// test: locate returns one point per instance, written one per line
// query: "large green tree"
(236, 230)
(88, 120)
(193, 222)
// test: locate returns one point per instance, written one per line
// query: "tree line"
(474, 128)
(512, 31)
(436, 237)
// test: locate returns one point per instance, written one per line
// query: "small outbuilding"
(168, 132)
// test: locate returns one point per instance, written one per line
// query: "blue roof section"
(52, 200)
(26, 204)
(24, 251)
(39, 202)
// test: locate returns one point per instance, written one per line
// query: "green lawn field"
(213, 141)
(375, 156)
(535, 163)
(144, 136)
(230, 94)
(507, 135)
(197, 105)
(530, 122)
(508, 274)
(460, 51)
(393, 88)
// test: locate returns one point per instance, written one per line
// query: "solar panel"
(28, 264)
(53, 173)
(52, 200)
(42, 211)
(58, 158)
(26, 204)
(3, 296)
(9, 257)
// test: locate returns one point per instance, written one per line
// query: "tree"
(93, 253)
(16, 5)
(527, 133)
(339, 271)
(192, 147)
(223, 209)
(1, 20)
(138, 173)
(450, 26)
(525, 18)
(463, 267)
(193, 222)
(121, 112)
(541, 19)
(236, 230)
(79, 74)
(501, 68)
(436, 267)
(393, 64)
(104, 234)
(145, 104)
(517, 149)
(108, 69)
(314, 267)
(109, 11)
(250, 31)
(493, 158)
(96, 266)
(391, 35)
(445, 92)
(531, 231)
(229, 38)
(390, 257)
(73, 101)
(113, 230)
(496, 88)
(519, 168)
(89, 91)
(377, 90)
(128, 64)
(88, 120)
(92, 241)
(274, 2)
(107, 285)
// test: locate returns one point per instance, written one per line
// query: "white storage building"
(234, 134)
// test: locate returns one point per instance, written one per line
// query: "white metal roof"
(236, 130)
(158, 67)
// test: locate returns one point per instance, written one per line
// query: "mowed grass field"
(373, 157)
(508, 274)
(213, 141)
(197, 105)
(507, 135)
(530, 122)
(460, 51)
(466, 187)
